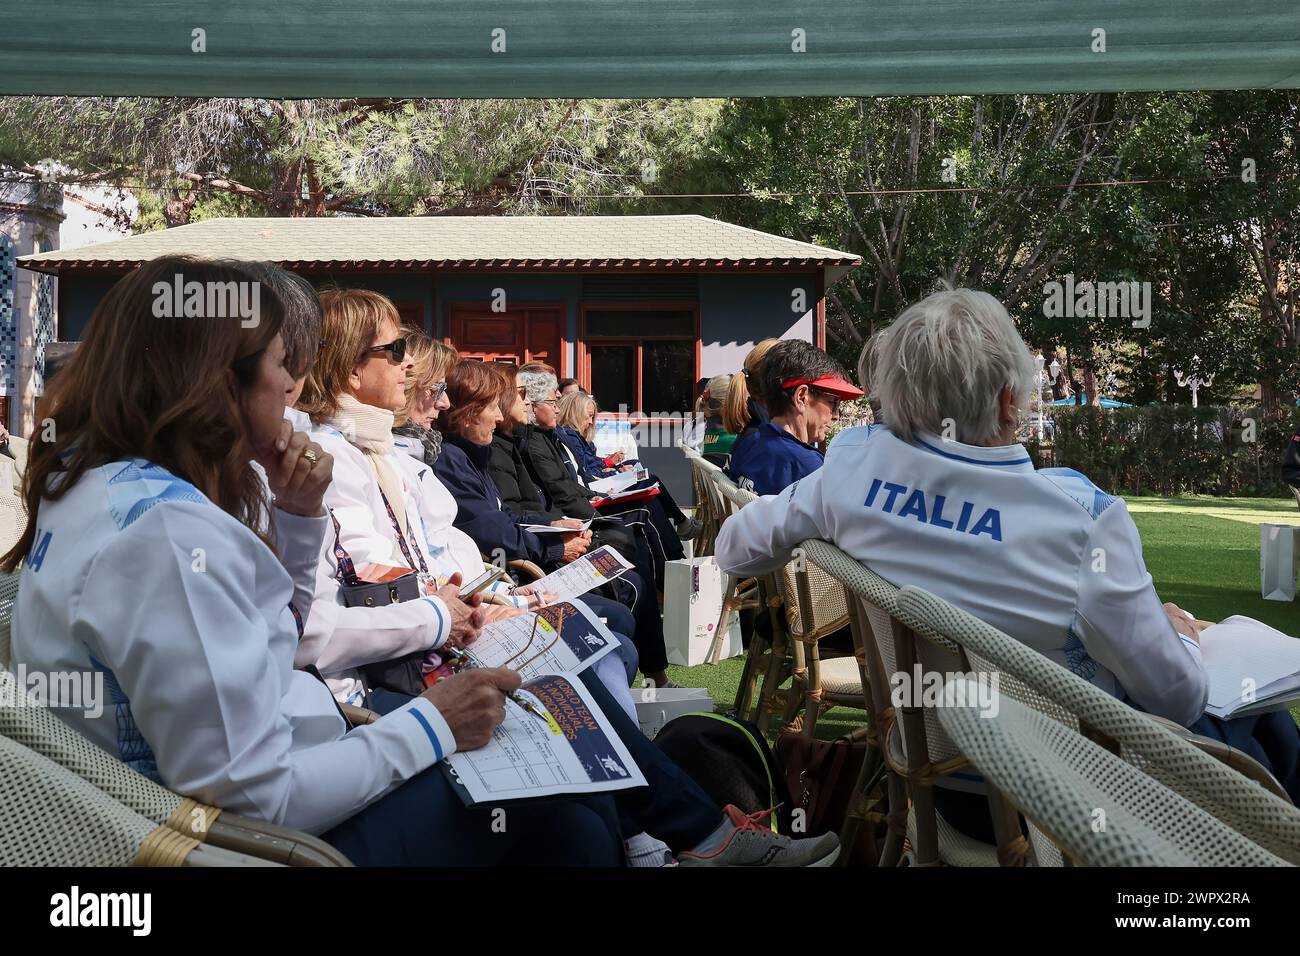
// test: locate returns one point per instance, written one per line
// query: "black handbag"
(402, 675)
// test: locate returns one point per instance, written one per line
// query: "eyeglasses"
(397, 347)
(832, 400)
(435, 391)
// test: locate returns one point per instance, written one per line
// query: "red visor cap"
(827, 383)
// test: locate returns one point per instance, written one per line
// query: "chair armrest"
(358, 716)
(1243, 763)
(526, 567)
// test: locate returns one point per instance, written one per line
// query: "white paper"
(514, 642)
(549, 529)
(575, 752)
(578, 577)
(1247, 658)
(618, 482)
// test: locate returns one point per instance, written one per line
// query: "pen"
(469, 660)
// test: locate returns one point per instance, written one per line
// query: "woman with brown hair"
(743, 411)
(143, 563)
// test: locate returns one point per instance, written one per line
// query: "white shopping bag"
(693, 590)
(1277, 562)
(655, 706)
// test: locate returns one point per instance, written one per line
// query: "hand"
(567, 523)
(500, 612)
(575, 545)
(617, 457)
(467, 616)
(1184, 623)
(536, 598)
(626, 467)
(473, 703)
(297, 482)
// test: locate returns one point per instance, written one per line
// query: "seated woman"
(801, 387)
(144, 562)
(476, 393)
(358, 378)
(743, 411)
(426, 395)
(944, 498)
(575, 427)
(718, 440)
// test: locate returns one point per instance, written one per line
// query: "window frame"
(637, 342)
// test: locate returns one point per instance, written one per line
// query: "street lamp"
(1195, 379)
(1041, 376)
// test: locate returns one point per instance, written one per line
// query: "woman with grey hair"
(944, 498)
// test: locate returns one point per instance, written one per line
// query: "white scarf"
(370, 429)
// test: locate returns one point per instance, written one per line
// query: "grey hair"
(540, 386)
(947, 358)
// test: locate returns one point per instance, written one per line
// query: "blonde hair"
(352, 319)
(735, 410)
(572, 412)
(432, 360)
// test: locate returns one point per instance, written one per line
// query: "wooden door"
(515, 336)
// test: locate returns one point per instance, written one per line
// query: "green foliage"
(1175, 449)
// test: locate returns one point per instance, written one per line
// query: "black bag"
(731, 762)
(402, 675)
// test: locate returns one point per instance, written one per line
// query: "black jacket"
(519, 493)
(463, 469)
(551, 470)
(1291, 462)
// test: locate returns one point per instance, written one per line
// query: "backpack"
(731, 762)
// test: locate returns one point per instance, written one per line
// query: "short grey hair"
(539, 386)
(948, 357)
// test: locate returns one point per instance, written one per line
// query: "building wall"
(564, 288)
(738, 311)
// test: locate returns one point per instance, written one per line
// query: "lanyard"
(401, 539)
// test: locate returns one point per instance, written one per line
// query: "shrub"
(1175, 449)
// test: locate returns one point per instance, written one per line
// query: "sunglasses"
(397, 347)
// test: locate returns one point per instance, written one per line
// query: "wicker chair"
(706, 503)
(1253, 804)
(738, 593)
(1099, 809)
(35, 728)
(51, 817)
(917, 751)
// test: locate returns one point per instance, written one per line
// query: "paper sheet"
(618, 482)
(529, 757)
(587, 572)
(549, 529)
(1244, 657)
(514, 643)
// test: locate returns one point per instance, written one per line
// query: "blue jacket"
(590, 463)
(463, 469)
(772, 459)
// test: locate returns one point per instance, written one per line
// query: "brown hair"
(471, 387)
(165, 389)
(572, 412)
(508, 394)
(431, 360)
(353, 318)
(735, 410)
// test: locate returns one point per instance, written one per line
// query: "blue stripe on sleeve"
(433, 738)
(442, 623)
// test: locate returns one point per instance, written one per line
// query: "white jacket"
(339, 639)
(185, 611)
(1043, 555)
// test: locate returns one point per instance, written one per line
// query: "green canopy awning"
(643, 48)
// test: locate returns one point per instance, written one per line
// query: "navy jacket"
(591, 464)
(463, 469)
(772, 459)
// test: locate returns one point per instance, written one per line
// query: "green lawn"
(1203, 554)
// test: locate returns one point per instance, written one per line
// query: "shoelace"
(751, 822)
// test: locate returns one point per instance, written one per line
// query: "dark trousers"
(424, 823)
(1273, 739)
(633, 591)
(622, 625)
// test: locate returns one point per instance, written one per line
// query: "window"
(641, 359)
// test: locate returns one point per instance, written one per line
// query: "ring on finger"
(310, 455)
